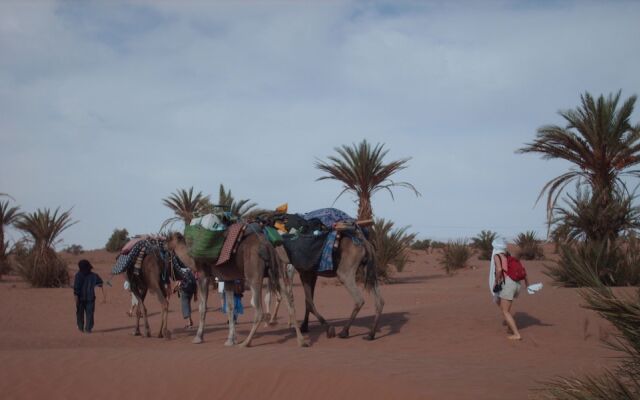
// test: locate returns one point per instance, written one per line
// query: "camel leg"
(309, 282)
(292, 315)
(349, 282)
(379, 306)
(203, 288)
(256, 287)
(136, 332)
(164, 330)
(228, 293)
(147, 330)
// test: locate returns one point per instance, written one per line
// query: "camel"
(352, 256)
(248, 264)
(150, 278)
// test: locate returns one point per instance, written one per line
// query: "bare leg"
(203, 288)
(505, 306)
(231, 338)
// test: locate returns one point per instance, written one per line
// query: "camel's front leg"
(203, 289)
(136, 332)
(292, 314)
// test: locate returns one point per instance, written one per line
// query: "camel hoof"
(304, 344)
(244, 344)
(167, 335)
(230, 343)
(147, 334)
(369, 337)
(343, 334)
(136, 333)
(196, 340)
(331, 332)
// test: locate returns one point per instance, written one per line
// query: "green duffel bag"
(273, 236)
(203, 243)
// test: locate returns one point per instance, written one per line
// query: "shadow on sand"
(524, 320)
(390, 324)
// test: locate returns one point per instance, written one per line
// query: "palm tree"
(362, 170)
(238, 208)
(598, 140)
(44, 227)
(8, 216)
(185, 205)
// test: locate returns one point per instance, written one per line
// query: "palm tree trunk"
(364, 207)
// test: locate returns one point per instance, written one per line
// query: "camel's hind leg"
(348, 279)
(292, 315)
(308, 280)
(164, 303)
(379, 306)
(203, 288)
(270, 318)
(147, 330)
(257, 315)
(228, 294)
(136, 331)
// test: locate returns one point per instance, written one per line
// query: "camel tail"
(275, 266)
(370, 274)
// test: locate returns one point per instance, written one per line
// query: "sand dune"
(440, 338)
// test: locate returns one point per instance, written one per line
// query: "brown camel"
(247, 263)
(352, 256)
(150, 278)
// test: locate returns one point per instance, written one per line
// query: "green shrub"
(118, 239)
(421, 244)
(42, 267)
(529, 246)
(484, 244)
(391, 247)
(623, 382)
(455, 255)
(74, 249)
(435, 244)
(589, 264)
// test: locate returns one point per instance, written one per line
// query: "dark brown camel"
(247, 263)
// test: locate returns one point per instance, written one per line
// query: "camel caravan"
(269, 247)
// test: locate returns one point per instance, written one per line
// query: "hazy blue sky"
(108, 107)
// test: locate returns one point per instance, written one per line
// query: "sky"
(106, 108)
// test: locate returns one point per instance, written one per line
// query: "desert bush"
(455, 255)
(623, 382)
(74, 249)
(529, 246)
(42, 267)
(391, 247)
(435, 244)
(8, 216)
(118, 239)
(597, 217)
(589, 264)
(421, 244)
(484, 244)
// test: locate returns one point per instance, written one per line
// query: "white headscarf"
(499, 247)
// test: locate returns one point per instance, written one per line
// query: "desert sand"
(440, 338)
